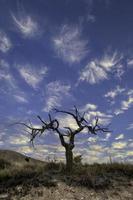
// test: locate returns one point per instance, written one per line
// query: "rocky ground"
(119, 189)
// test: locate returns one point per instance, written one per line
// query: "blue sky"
(60, 53)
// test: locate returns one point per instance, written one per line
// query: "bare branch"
(41, 120)
(76, 116)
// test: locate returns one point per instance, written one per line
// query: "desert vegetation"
(20, 179)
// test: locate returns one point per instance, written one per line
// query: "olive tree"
(53, 124)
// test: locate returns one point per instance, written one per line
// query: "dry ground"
(34, 180)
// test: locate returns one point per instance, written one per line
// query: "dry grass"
(36, 180)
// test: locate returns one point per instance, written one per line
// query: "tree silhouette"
(54, 125)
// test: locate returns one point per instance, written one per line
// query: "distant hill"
(16, 157)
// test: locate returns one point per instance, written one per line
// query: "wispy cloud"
(107, 137)
(90, 18)
(5, 74)
(55, 92)
(20, 97)
(92, 73)
(92, 139)
(90, 114)
(112, 94)
(32, 76)
(88, 107)
(104, 118)
(125, 104)
(5, 43)
(69, 44)
(119, 137)
(27, 26)
(130, 127)
(130, 62)
(99, 69)
(108, 61)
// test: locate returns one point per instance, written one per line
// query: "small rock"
(4, 196)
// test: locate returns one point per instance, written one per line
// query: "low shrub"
(4, 164)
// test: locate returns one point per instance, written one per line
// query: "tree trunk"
(69, 159)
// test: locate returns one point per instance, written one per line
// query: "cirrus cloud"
(69, 45)
(5, 43)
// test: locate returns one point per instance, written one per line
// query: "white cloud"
(130, 144)
(91, 112)
(99, 69)
(129, 153)
(108, 61)
(130, 127)
(108, 135)
(96, 147)
(25, 149)
(69, 45)
(89, 106)
(125, 104)
(119, 137)
(26, 25)
(19, 140)
(119, 145)
(55, 92)
(67, 121)
(92, 139)
(6, 75)
(92, 73)
(32, 76)
(20, 97)
(114, 93)
(104, 119)
(5, 43)
(130, 62)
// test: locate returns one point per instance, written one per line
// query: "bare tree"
(54, 125)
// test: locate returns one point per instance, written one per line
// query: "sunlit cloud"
(96, 147)
(119, 137)
(104, 119)
(108, 61)
(125, 105)
(55, 92)
(119, 145)
(92, 139)
(69, 44)
(126, 102)
(19, 140)
(32, 76)
(5, 43)
(67, 121)
(26, 25)
(129, 153)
